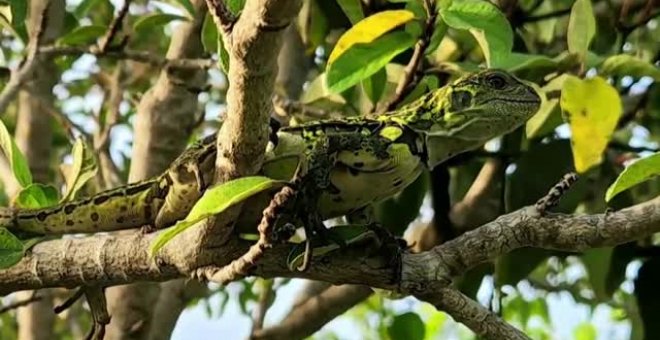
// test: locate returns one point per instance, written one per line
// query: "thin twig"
(20, 303)
(69, 302)
(408, 82)
(467, 311)
(138, 56)
(68, 125)
(646, 16)
(98, 305)
(114, 27)
(27, 65)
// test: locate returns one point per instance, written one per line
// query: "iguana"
(350, 163)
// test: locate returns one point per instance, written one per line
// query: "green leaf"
(83, 7)
(235, 6)
(368, 30)
(486, 23)
(439, 32)
(352, 9)
(155, 20)
(216, 200)
(407, 326)
(188, 6)
(11, 249)
(549, 115)
(592, 108)
(82, 35)
(363, 60)
(223, 55)
(627, 65)
(581, 28)
(36, 196)
(17, 162)
(597, 262)
(210, 35)
(81, 171)
(520, 61)
(637, 172)
(18, 14)
(375, 85)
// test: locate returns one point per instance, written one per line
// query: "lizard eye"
(496, 81)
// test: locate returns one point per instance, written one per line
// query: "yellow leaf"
(368, 29)
(592, 108)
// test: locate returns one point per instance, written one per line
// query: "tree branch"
(468, 312)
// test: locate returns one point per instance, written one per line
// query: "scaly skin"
(364, 159)
(381, 155)
(157, 202)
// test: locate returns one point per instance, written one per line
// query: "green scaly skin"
(156, 202)
(349, 163)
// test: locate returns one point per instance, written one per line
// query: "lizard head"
(468, 112)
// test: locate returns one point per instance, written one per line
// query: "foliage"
(596, 64)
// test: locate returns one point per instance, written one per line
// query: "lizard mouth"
(511, 100)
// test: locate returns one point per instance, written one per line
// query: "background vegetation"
(98, 93)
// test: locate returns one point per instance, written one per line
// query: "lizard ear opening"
(460, 100)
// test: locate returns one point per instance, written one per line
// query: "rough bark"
(123, 258)
(165, 119)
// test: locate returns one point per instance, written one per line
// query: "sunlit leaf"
(11, 249)
(369, 29)
(635, 173)
(214, 201)
(155, 20)
(581, 28)
(36, 196)
(17, 162)
(81, 171)
(363, 60)
(627, 65)
(592, 108)
(486, 23)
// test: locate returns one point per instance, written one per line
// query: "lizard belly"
(373, 180)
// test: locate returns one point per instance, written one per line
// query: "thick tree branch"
(309, 316)
(255, 41)
(121, 259)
